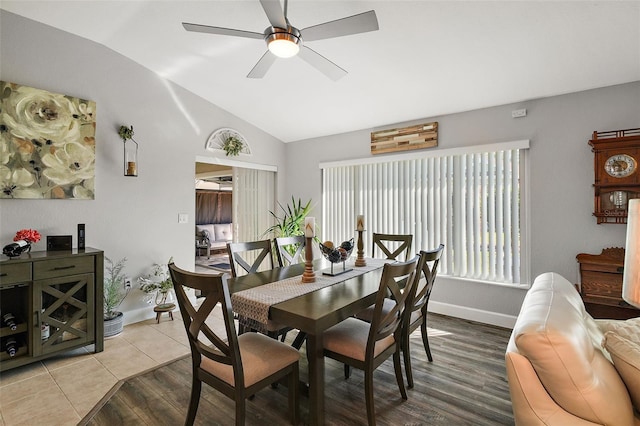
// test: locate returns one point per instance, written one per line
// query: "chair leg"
(196, 386)
(347, 371)
(240, 410)
(294, 409)
(406, 353)
(425, 339)
(398, 369)
(368, 396)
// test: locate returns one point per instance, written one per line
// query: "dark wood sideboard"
(601, 284)
(56, 298)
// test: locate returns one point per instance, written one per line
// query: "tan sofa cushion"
(562, 343)
(625, 353)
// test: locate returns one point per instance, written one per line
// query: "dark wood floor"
(465, 385)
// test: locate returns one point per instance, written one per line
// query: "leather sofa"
(565, 368)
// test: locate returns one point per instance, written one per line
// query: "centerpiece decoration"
(336, 255)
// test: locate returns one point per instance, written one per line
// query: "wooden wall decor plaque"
(419, 136)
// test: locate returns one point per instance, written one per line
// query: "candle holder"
(360, 259)
(308, 276)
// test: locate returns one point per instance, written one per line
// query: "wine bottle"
(11, 346)
(17, 248)
(9, 321)
(45, 330)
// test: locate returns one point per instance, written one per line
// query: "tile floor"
(62, 390)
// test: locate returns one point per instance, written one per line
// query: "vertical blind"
(469, 202)
(253, 198)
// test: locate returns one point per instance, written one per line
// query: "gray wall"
(559, 185)
(135, 218)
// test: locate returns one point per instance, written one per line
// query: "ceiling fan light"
(284, 48)
(283, 43)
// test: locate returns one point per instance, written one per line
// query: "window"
(470, 201)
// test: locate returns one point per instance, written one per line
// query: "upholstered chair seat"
(261, 356)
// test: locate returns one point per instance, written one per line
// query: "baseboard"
(472, 314)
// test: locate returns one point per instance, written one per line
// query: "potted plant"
(292, 221)
(157, 284)
(115, 290)
(232, 146)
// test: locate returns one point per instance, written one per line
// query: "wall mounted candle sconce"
(130, 151)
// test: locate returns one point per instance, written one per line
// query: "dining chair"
(237, 366)
(392, 245)
(240, 253)
(365, 345)
(286, 245)
(416, 316)
(262, 253)
(417, 313)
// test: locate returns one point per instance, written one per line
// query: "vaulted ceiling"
(428, 58)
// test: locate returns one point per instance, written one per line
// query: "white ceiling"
(429, 57)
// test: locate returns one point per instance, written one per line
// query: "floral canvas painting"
(47, 144)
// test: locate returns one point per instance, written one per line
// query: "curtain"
(213, 207)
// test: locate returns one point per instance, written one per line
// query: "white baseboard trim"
(472, 314)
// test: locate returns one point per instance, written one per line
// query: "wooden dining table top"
(320, 309)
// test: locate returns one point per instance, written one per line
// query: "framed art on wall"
(47, 144)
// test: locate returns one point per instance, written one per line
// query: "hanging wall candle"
(130, 151)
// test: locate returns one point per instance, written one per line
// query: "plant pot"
(113, 326)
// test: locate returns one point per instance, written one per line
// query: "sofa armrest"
(531, 403)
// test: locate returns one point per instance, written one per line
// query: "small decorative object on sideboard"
(337, 254)
(601, 284)
(22, 242)
(130, 151)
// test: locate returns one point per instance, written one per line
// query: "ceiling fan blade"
(198, 28)
(263, 65)
(355, 24)
(323, 65)
(274, 12)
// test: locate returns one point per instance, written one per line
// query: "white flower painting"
(47, 144)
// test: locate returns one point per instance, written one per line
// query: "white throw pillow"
(223, 231)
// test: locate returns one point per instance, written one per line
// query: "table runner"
(254, 303)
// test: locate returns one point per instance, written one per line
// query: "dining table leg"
(315, 356)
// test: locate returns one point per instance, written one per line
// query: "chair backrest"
(242, 253)
(286, 245)
(387, 243)
(223, 349)
(398, 280)
(428, 264)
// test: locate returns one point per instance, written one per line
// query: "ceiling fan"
(284, 40)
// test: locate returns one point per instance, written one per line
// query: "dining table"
(315, 311)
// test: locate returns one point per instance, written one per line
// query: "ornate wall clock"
(617, 179)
